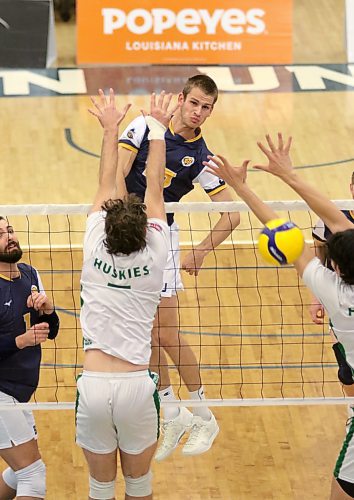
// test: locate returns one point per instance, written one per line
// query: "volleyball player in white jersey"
(321, 233)
(125, 252)
(334, 288)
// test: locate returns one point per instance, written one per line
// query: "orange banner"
(209, 32)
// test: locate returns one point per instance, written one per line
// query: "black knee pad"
(345, 372)
(347, 487)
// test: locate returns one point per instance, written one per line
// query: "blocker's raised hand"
(106, 111)
(279, 161)
(233, 175)
(160, 108)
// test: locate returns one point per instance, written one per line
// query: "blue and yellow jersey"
(184, 163)
(19, 368)
(322, 233)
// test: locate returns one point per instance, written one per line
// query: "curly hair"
(125, 225)
(340, 249)
(202, 82)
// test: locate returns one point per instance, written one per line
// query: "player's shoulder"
(157, 225)
(27, 269)
(29, 275)
(349, 215)
(134, 133)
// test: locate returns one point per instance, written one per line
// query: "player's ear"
(180, 99)
(335, 267)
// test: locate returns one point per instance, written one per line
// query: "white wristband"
(156, 129)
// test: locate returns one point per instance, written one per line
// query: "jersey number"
(169, 175)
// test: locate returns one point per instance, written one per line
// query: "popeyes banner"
(184, 32)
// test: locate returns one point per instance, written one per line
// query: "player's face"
(195, 108)
(352, 190)
(10, 250)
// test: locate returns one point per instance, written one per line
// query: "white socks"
(171, 412)
(200, 411)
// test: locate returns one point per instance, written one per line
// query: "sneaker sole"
(159, 459)
(193, 453)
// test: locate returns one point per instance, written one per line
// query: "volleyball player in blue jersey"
(185, 152)
(21, 295)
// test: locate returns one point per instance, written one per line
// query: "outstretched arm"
(280, 165)
(110, 184)
(228, 221)
(236, 177)
(157, 121)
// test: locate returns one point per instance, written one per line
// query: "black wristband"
(53, 322)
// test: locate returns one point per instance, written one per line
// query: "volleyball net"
(247, 322)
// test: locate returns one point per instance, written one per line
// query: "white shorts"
(172, 281)
(117, 410)
(16, 426)
(344, 468)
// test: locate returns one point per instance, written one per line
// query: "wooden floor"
(262, 452)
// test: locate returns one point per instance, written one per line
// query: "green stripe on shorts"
(155, 378)
(344, 449)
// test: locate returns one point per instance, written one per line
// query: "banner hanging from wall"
(212, 32)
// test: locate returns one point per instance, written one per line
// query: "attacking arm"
(228, 221)
(111, 183)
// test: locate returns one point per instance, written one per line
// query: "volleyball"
(280, 242)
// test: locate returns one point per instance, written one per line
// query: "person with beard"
(21, 296)
(185, 152)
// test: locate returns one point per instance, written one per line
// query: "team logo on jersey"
(34, 288)
(155, 226)
(130, 133)
(188, 161)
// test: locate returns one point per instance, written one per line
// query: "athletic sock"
(169, 412)
(200, 411)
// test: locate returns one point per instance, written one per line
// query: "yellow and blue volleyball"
(280, 242)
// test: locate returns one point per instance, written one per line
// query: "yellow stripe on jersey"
(128, 146)
(217, 190)
(170, 126)
(169, 175)
(5, 277)
(195, 138)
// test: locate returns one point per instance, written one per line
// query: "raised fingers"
(288, 145)
(152, 101)
(111, 97)
(280, 141)
(102, 97)
(263, 149)
(167, 101)
(270, 143)
(161, 98)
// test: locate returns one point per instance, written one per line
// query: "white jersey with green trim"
(120, 293)
(337, 297)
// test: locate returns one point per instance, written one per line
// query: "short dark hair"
(204, 83)
(352, 178)
(125, 225)
(340, 249)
